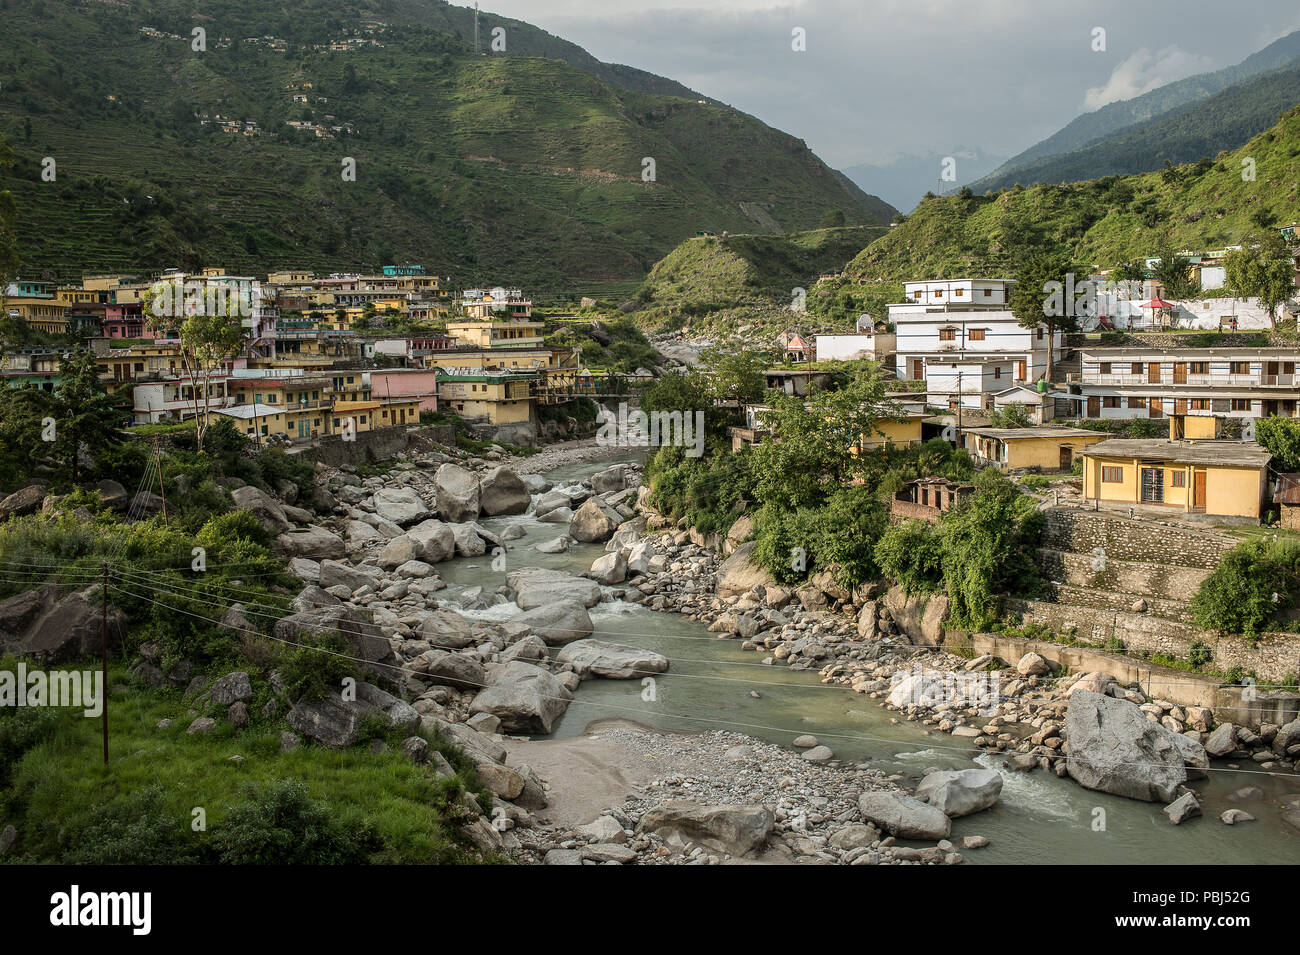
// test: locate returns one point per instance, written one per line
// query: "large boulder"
(52, 626)
(960, 792)
(611, 479)
(738, 830)
(502, 491)
(435, 541)
(351, 628)
(112, 494)
(262, 506)
(525, 698)
(1114, 748)
(609, 569)
(739, 574)
(1222, 740)
(469, 543)
(313, 542)
(535, 587)
(333, 573)
(918, 616)
(401, 505)
(335, 722)
(594, 522)
(558, 623)
(450, 669)
(397, 552)
(613, 661)
(458, 494)
(25, 500)
(903, 816)
(741, 531)
(447, 628)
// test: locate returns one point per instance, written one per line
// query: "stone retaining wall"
(1111, 573)
(1121, 538)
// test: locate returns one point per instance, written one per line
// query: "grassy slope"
(1203, 128)
(1102, 222)
(758, 269)
(500, 168)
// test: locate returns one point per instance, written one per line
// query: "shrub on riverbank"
(1253, 581)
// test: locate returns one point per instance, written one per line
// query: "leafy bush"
(282, 825)
(847, 530)
(22, 729)
(1252, 581)
(312, 675)
(135, 830)
(911, 553)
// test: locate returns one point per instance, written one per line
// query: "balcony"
(1193, 381)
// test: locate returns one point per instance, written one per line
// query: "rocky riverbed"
(493, 668)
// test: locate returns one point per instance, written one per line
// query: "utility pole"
(476, 29)
(162, 487)
(103, 642)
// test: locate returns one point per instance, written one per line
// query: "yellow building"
(39, 313)
(1046, 448)
(1217, 478)
(496, 334)
(900, 432)
(490, 396)
(256, 420)
(376, 413)
(289, 277)
(142, 361)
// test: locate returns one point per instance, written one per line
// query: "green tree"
(8, 225)
(1280, 437)
(1262, 267)
(1039, 300)
(87, 419)
(1174, 273)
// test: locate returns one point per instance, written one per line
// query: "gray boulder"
(503, 492)
(314, 542)
(356, 632)
(527, 699)
(557, 623)
(401, 505)
(594, 522)
(335, 722)
(611, 479)
(1114, 748)
(468, 541)
(609, 569)
(450, 669)
(535, 587)
(435, 541)
(334, 573)
(904, 816)
(960, 792)
(738, 574)
(267, 510)
(458, 494)
(738, 830)
(613, 661)
(448, 629)
(51, 626)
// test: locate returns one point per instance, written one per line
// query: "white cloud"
(1144, 71)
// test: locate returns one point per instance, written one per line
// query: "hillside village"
(316, 356)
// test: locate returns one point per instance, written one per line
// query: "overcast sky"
(884, 77)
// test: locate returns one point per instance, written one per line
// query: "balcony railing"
(1276, 381)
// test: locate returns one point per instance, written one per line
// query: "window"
(938, 293)
(976, 334)
(1137, 402)
(1040, 334)
(1240, 404)
(987, 293)
(1112, 475)
(1239, 368)
(916, 296)
(1105, 368)
(958, 293)
(1135, 368)
(997, 372)
(1178, 479)
(1200, 404)
(1110, 401)
(1199, 367)
(947, 334)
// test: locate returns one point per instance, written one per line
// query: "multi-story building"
(492, 397)
(36, 306)
(961, 338)
(1152, 382)
(38, 368)
(179, 399)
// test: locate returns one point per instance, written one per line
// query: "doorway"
(1153, 485)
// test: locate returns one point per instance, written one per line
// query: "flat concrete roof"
(1217, 351)
(1233, 454)
(1013, 434)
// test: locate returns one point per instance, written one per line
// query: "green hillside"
(1204, 128)
(1113, 117)
(506, 168)
(1102, 222)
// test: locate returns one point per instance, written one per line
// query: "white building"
(961, 338)
(873, 346)
(174, 399)
(1152, 382)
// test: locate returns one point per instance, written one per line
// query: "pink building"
(412, 383)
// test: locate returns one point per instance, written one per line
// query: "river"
(1039, 817)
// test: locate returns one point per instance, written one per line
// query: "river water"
(1039, 818)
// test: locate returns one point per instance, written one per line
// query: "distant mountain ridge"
(1091, 127)
(539, 166)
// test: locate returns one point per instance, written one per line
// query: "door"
(1180, 406)
(1155, 408)
(1153, 485)
(1094, 407)
(1198, 489)
(1022, 370)
(1180, 373)
(1153, 373)
(1067, 457)
(918, 369)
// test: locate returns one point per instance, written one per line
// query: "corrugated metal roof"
(1288, 489)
